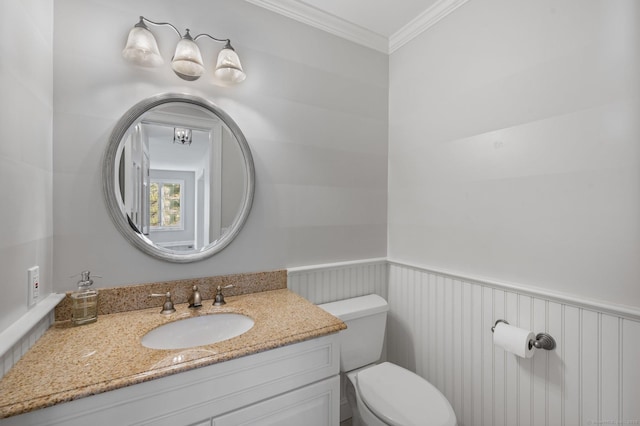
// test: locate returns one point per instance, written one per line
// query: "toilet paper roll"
(513, 339)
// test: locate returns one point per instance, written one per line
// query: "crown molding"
(325, 21)
(423, 22)
(335, 25)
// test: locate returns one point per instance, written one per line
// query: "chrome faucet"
(195, 300)
(167, 306)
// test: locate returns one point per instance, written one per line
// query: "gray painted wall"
(514, 149)
(26, 228)
(313, 109)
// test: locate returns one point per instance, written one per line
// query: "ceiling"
(384, 25)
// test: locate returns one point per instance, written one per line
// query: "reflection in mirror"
(181, 175)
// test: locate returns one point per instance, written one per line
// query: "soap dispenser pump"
(84, 301)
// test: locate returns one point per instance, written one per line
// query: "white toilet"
(382, 394)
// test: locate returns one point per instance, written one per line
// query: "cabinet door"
(314, 405)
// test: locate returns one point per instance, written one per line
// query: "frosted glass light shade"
(142, 48)
(187, 61)
(228, 67)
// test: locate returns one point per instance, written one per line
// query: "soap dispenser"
(84, 301)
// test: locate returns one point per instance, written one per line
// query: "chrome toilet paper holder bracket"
(543, 340)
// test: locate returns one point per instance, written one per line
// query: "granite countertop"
(69, 362)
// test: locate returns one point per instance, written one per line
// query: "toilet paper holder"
(543, 340)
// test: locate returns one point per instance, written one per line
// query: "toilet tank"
(366, 319)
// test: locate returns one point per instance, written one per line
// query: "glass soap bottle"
(84, 301)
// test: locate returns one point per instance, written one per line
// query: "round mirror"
(178, 177)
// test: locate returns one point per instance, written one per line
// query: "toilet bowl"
(385, 393)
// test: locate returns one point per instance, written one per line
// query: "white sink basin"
(197, 331)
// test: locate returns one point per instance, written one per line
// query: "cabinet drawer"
(314, 405)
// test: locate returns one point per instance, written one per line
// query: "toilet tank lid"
(356, 307)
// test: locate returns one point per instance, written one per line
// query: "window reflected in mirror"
(165, 205)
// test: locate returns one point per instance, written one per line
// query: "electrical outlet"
(33, 283)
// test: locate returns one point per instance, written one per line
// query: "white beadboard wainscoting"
(440, 327)
(13, 353)
(337, 281)
(16, 340)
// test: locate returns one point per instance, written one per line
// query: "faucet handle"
(167, 306)
(195, 300)
(219, 299)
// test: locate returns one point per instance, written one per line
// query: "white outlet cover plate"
(33, 283)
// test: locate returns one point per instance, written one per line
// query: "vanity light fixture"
(182, 136)
(142, 49)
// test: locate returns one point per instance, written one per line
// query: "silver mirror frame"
(110, 193)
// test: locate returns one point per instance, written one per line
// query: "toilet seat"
(399, 397)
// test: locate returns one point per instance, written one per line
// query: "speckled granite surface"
(69, 362)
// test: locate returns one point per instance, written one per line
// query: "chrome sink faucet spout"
(195, 300)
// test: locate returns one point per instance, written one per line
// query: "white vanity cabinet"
(290, 385)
